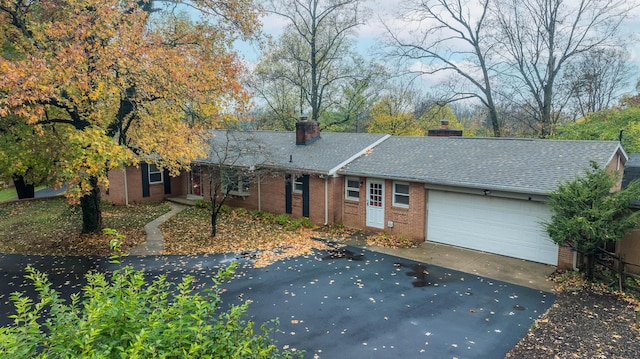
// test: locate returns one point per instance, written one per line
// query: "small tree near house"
(232, 166)
(586, 213)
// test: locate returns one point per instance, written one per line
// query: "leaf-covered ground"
(189, 232)
(52, 227)
(586, 321)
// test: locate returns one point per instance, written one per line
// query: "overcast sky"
(387, 11)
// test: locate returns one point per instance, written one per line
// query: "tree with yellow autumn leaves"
(106, 83)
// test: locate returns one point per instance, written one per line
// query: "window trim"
(348, 189)
(239, 180)
(296, 181)
(151, 172)
(407, 195)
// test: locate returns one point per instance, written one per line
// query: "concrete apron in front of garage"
(506, 269)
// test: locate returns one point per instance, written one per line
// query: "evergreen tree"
(586, 213)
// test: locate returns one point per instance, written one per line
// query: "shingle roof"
(515, 165)
(276, 149)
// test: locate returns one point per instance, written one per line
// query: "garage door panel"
(497, 225)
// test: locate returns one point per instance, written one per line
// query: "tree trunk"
(589, 266)
(90, 204)
(24, 190)
(214, 221)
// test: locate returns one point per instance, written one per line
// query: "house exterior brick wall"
(629, 248)
(407, 222)
(336, 196)
(565, 258)
(354, 212)
(617, 165)
(268, 194)
(272, 188)
(116, 192)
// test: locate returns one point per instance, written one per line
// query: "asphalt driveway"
(341, 304)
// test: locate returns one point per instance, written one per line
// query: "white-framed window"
(352, 188)
(401, 194)
(236, 183)
(155, 174)
(297, 184)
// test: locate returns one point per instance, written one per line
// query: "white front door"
(375, 203)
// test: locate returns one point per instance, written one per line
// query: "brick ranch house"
(486, 194)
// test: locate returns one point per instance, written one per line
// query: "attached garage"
(504, 226)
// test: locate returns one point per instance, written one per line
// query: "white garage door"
(503, 226)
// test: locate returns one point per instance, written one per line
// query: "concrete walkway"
(154, 245)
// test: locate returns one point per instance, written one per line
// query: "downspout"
(126, 187)
(326, 200)
(259, 196)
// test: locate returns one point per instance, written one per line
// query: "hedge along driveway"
(353, 303)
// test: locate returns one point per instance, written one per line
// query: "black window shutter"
(288, 186)
(305, 196)
(145, 180)
(167, 182)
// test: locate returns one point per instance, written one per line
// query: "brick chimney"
(307, 131)
(444, 130)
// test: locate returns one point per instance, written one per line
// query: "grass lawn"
(52, 227)
(9, 193)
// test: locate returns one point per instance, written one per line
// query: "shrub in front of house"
(202, 203)
(281, 219)
(123, 316)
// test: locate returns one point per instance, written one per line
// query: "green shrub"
(241, 211)
(294, 224)
(269, 217)
(281, 219)
(203, 203)
(306, 222)
(124, 317)
(258, 214)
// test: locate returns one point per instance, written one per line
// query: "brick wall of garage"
(565, 258)
(407, 222)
